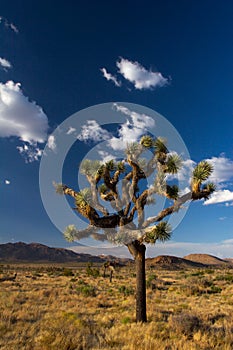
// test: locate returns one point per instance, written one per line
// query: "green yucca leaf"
(90, 167)
(110, 166)
(173, 163)
(59, 188)
(202, 171)
(160, 145)
(121, 167)
(162, 232)
(103, 188)
(83, 197)
(146, 141)
(172, 191)
(210, 187)
(69, 233)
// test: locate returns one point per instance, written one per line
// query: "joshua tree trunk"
(138, 251)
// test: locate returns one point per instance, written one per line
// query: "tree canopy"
(114, 203)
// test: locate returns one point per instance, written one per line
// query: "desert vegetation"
(126, 222)
(73, 307)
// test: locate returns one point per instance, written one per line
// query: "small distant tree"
(122, 185)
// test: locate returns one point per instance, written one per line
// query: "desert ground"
(74, 307)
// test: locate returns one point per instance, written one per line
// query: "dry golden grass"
(46, 308)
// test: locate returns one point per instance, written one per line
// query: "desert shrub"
(67, 272)
(125, 320)
(227, 277)
(86, 290)
(54, 271)
(197, 286)
(92, 271)
(214, 289)
(198, 273)
(185, 324)
(126, 290)
(150, 282)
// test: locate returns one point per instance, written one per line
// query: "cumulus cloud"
(139, 76)
(220, 196)
(110, 77)
(8, 24)
(105, 156)
(30, 152)
(223, 169)
(92, 131)
(135, 126)
(5, 64)
(20, 117)
(52, 142)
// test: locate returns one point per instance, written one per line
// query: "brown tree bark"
(138, 251)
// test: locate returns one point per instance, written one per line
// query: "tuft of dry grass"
(68, 308)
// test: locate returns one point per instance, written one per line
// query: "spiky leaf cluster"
(59, 188)
(173, 163)
(70, 233)
(161, 232)
(90, 167)
(202, 171)
(147, 141)
(172, 191)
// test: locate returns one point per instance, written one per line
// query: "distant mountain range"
(35, 252)
(189, 261)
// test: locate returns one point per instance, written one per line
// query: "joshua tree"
(121, 187)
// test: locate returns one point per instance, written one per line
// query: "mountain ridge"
(37, 252)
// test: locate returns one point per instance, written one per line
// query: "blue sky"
(56, 59)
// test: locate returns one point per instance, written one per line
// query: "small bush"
(185, 324)
(228, 278)
(150, 282)
(126, 290)
(86, 290)
(92, 271)
(198, 273)
(125, 320)
(214, 289)
(67, 272)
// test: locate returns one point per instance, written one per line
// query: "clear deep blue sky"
(56, 51)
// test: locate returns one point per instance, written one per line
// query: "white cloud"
(30, 152)
(8, 24)
(4, 63)
(7, 182)
(220, 196)
(139, 76)
(132, 129)
(92, 131)
(52, 142)
(223, 169)
(110, 77)
(71, 130)
(20, 117)
(105, 156)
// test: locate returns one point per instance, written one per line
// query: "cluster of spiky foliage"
(161, 232)
(201, 173)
